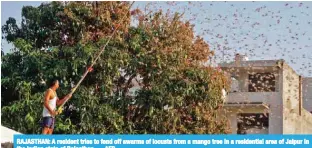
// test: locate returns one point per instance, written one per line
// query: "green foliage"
(176, 95)
(24, 115)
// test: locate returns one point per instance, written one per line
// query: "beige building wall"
(272, 99)
(284, 107)
(306, 124)
(297, 120)
(290, 101)
(275, 120)
(295, 123)
(307, 93)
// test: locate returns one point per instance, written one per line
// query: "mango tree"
(57, 40)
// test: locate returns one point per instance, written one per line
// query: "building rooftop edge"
(260, 63)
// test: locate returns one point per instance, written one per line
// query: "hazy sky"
(262, 30)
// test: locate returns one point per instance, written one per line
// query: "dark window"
(247, 121)
(261, 82)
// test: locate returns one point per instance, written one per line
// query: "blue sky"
(262, 30)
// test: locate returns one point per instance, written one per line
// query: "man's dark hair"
(53, 83)
(7, 145)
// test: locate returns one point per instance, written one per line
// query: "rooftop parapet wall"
(257, 63)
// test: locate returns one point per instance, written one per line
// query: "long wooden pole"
(92, 64)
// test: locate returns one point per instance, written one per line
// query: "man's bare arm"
(61, 101)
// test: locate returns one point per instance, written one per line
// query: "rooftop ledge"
(247, 104)
(256, 63)
(241, 97)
